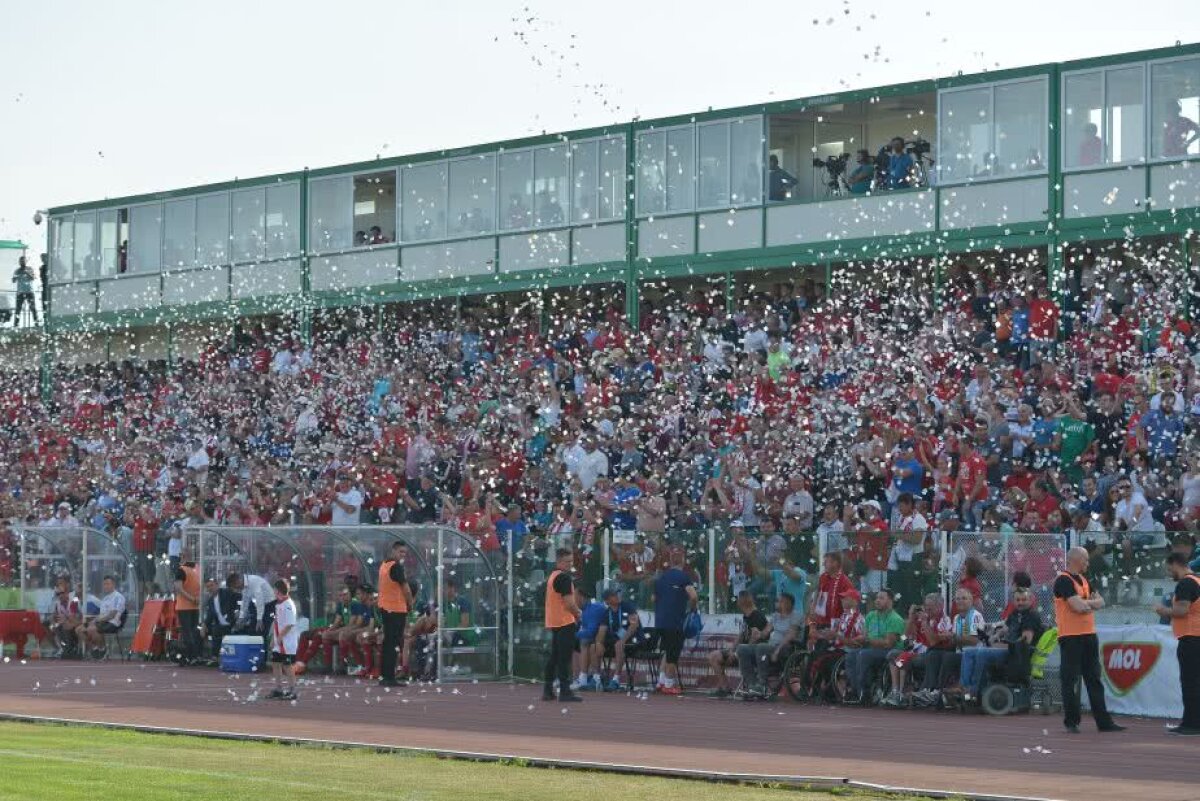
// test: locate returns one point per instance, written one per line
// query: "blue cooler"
(241, 654)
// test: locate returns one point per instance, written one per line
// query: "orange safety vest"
(557, 613)
(392, 597)
(191, 585)
(1188, 626)
(1070, 622)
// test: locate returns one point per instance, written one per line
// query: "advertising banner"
(1140, 670)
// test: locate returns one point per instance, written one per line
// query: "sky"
(108, 99)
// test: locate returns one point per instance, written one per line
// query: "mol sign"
(1140, 670)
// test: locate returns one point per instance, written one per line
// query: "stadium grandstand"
(924, 337)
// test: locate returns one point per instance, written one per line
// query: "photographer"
(779, 181)
(859, 179)
(901, 168)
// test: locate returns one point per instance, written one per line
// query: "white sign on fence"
(1140, 670)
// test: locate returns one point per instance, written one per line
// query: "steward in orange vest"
(1184, 612)
(562, 612)
(1074, 611)
(395, 599)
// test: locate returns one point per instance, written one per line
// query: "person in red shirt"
(384, 489)
(142, 520)
(832, 585)
(970, 488)
(1043, 503)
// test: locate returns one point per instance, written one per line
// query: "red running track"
(1020, 755)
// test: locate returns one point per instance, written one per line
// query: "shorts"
(585, 639)
(107, 628)
(671, 643)
(282, 659)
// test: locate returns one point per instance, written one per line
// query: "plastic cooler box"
(241, 654)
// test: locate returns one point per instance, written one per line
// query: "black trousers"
(189, 633)
(1189, 680)
(558, 666)
(25, 299)
(393, 640)
(1081, 659)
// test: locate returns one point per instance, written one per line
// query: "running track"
(921, 749)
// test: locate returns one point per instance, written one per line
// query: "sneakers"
(1112, 727)
(578, 684)
(894, 698)
(1183, 731)
(357, 670)
(276, 693)
(288, 695)
(613, 686)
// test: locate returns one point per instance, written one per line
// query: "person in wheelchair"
(827, 646)
(770, 647)
(884, 627)
(753, 623)
(927, 630)
(1018, 637)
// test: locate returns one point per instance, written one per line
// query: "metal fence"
(504, 634)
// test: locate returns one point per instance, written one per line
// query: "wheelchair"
(1037, 688)
(829, 681)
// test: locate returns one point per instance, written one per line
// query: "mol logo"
(1127, 663)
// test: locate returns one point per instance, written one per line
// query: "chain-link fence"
(985, 563)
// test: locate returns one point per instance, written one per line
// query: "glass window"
(1020, 128)
(145, 224)
(62, 233)
(1175, 99)
(714, 165)
(473, 195)
(212, 229)
(283, 220)
(423, 207)
(1124, 115)
(375, 208)
(681, 170)
(550, 172)
(585, 162)
(1083, 120)
(85, 246)
(516, 190)
(651, 172)
(179, 233)
(745, 161)
(329, 214)
(965, 135)
(109, 242)
(613, 182)
(249, 214)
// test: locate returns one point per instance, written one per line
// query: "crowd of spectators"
(860, 424)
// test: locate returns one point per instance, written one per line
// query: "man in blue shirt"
(779, 181)
(907, 472)
(619, 633)
(901, 167)
(791, 580)
(1163, 427)
(593, 614)
(674, 594)
(624, 503)
(511, 529)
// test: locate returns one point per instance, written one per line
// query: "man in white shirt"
(198, 458)
(586, 462)
(906, 561)
(1133, 514)
(256, 594)
(62, 518)
(112, 610)
(830, 531)
(798, 504)
(285, 642)
(347, 503)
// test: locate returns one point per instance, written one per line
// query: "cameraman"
(859, 179)
(779, 181)
(901, 170)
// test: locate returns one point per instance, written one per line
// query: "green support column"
(632, 299)
(170, 348)
(305, 281)
(937, 282)
(729, 300)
